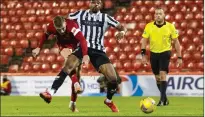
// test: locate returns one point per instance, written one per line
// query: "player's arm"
(74, 16)
(48, 31)
(114, 23)
(83, 43)
(174, 35)
(145, 37)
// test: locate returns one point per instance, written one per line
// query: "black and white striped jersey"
(93, 26)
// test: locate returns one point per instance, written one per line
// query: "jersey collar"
(159, 26)
(93, 13)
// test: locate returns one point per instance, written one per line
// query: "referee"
(160, 34)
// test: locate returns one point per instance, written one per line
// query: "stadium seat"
(36, 68)
(56, 67)
(39, 35)
(11, 12)
(56, 11)
(51, 58)
(31, 11)
(64, 11)
(108, 49)
(127, 65)
(8, 51)
(26, 68)
(37, 27)
(138, 17)
(28, 26)
(3, 34)
(122, 56)
(14, 43)
(116, 49)
(60, 59)
(4, 13)
(136, 65)
(127, 48)
(4, 43)
(29, 59)
(45, 67)
(20, 12)
(132, 56)
(11, 34)
(19, 51)
(23, 19)
(21, 34)
(112, 56)
(4, 59)
(137, 49)
(34, 44)
(32, 19)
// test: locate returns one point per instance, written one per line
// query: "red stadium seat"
(28, 26)
(117, 64)
(21, 34)
(186, 56)
(4, 43)
(24, 43)
(51, 58)
(148, 17)
(56, 11)
(127, 48)
(13, 68)
(41, 58)
(179, 17)
(137, 49)
(14, 43)
(137, 3)
(49, 18)
(64, 11)
(132, 56)
(200, 66)
(112, 56)
(37, 27)
(108, 49)
(39, 35)
(80, 3)
(3, 13)
(31, 11)
(127, 65)
(60, 59)
(27, 4)
(3, 34)
(136, 65)
(18, 27)
(112, 41)
(24, 19)
(18, 51)
(158, 2)
(56, 67)
(122, 56)
(12, 12)
(42, 18)
(36, 67)
(133, 10)
(117, 49)
(46, 4)
(34, 44)
(4, 59)
(20, 12)
(71, 4)
(128, 17)
(197, 56)
(32, 19)
(45, 51)
(11, 34)
(8, 51)
(28, 59)
(45, 67)
(36, 5)
(138, 17)
(26, 68)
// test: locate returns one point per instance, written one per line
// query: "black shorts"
(97, 57)
(160, 61)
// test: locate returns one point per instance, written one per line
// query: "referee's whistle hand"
(86, 59)
(144, 60)
(179, 62)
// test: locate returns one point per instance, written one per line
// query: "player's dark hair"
(58, 21)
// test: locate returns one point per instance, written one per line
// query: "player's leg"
(102, 64)
(75, 88)
(164, 69)
(67, 69)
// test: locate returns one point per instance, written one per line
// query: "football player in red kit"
(68, 35)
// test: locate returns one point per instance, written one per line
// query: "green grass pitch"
(94, 106)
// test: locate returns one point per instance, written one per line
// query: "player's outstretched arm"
(122, 31)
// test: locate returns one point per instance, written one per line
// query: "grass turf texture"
(94, 106)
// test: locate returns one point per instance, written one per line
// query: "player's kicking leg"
(67, 70)
(109, 72)
(74, 91)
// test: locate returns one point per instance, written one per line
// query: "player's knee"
(112, 78)
(67, 69)
(163, 75)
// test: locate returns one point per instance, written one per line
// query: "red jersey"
(70, 39)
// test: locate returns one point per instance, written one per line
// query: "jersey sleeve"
(48, 31)
(74, 16)
(112, 22)
(174, 32)
(146, 32)
(74, 28)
